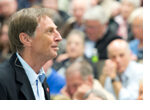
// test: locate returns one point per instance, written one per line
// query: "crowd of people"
(100, 55)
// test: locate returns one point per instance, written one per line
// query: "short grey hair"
(135, 3)
(136, 13)
(96, 13)
(83, 67)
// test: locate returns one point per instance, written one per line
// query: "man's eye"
(50, 30)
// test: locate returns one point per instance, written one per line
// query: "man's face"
(78, 11)
(126, 9)
(73, 82)
(121, 57)
(94, 30)
(45, 41)
(75, 46)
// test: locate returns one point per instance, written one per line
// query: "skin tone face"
(79, 9)
(126, 9)
(73, 82)
(8, 7)
(45, 41)
(94, 29)
(137, 28)
(75, 46)
(119, 53)
(50, 4)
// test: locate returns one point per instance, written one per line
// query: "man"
(81, 85)
(78, 8)
(121, 75)
(34, 40)
(99, 35)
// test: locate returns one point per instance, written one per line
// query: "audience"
(74, 52)
(78, 8)
(127, 7)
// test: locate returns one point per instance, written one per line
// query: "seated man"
(121, 75)
(81, 84)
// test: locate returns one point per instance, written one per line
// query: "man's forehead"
(47, 21)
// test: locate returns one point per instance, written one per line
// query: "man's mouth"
(55, 47)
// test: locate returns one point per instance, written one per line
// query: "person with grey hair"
(34, 40)
(136, 45)
(121, 75)
(98, 33)
(81, 85)
(127, 7)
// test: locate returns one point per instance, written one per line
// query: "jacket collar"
(21, 78)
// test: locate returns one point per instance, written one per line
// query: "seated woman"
(74, 52)
(136, 45)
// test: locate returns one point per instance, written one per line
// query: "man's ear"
(25, 39)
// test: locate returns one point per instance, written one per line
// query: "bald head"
(119, 52)
(117, 45)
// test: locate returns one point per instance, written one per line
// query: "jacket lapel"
(22, 79)
(46, 90)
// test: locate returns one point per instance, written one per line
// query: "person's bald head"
(119, 52)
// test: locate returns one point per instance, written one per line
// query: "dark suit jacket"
(14, 83)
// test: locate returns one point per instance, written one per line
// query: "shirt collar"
(31, 74)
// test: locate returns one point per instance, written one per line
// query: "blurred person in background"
(27, 3)
(55, 81)
(127, 7)
(136, 45)
(140, 97)
(121, 75)
(53, 4)
(7, 8)
(81, 84)
(5, 51)
(74, 52)
(78, 8)
(99, 35)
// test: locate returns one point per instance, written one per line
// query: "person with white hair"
(136, 21)
(127, 7)
(99, 35)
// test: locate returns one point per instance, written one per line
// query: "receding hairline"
(118, 43)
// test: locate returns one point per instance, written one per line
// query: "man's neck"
(34, 61)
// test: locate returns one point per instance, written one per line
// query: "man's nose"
(58, 37)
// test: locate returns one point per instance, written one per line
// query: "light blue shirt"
(89, 46)
(32, 76)
(130, 82)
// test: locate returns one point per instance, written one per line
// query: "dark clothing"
(102, 44)
(14, 83)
